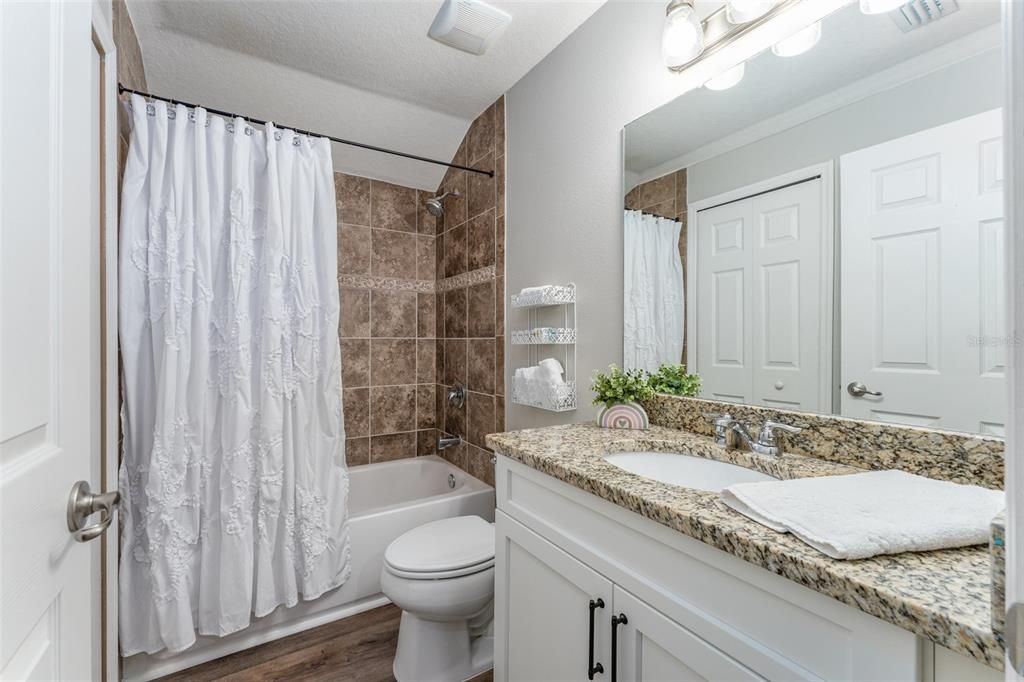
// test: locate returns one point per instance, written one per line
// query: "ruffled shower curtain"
(233, 478)
(653, 315)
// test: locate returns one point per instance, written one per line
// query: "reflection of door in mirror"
(760, 302)
(923, 278)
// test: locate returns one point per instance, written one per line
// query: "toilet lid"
(443, 546)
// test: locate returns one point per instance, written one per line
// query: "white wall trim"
(1013, 141)
(952, 53)
(826, 250)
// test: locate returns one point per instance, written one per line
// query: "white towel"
(877, 512)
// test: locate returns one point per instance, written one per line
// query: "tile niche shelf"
(550, 313)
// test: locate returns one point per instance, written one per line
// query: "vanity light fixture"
(727, 79)
(799, 42)
(682, 39)
(742, 11)
(880, 6)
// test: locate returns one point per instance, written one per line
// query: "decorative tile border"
(422, 286)
(945, 455)
(466, 279)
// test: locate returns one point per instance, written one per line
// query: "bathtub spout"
(446, 443)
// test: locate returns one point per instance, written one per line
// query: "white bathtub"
(385, 500)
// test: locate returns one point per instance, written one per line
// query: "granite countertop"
(943, 595)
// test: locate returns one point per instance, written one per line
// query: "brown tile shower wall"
(665, 197)
(471, 294)
(131, 72)
(386, 276)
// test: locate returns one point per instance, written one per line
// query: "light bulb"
(727, 79)
(682, 39)
(742, 11)
(880, 6)
(799, 42)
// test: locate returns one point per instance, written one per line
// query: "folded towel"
(877, 512)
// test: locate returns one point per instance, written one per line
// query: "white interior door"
(923, 278)
(760, 299)
(49, 339)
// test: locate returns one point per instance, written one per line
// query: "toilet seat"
(448, 548)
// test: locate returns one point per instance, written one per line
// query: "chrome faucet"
(728, 430)
(445, 443)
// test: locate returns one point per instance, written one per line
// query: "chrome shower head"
(435, 207)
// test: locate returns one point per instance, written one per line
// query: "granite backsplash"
(945, 455)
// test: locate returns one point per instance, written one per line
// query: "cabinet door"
(542, 609)
(652, 648)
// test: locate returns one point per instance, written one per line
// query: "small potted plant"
(672, 379)
(621, 392)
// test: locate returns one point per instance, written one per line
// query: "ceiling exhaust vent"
(469, 25)
(920, 13)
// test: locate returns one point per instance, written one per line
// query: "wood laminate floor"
(356, 649)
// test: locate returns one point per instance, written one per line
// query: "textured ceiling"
(362, 70)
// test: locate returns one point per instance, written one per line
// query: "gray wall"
(964, 89)
(564, 210)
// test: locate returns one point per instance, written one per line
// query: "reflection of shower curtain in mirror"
(233, 481)
(653, 298)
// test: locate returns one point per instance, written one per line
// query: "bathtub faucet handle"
(457, 396)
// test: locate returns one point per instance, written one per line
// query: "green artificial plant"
(618, 386)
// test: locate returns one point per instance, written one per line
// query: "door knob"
(859, 390)
(83, 503)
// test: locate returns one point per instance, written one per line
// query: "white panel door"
(724, 292)
(542, 609)
(787, 310)
(760, 300)
(652, 648)
(49, 330)
(923, 278)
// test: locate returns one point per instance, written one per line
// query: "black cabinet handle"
(616, 622)
(593, 668)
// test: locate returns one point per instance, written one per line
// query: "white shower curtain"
(233, 479)
(653, 315)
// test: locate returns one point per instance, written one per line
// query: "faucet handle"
(770, 427)
(716, 418)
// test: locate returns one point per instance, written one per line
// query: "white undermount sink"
(685, 470)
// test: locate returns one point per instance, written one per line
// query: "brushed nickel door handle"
(859, 390)
(83, 503)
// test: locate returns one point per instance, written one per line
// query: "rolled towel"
(877, 512)
(551, 371)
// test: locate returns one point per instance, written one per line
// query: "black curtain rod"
(121, 89)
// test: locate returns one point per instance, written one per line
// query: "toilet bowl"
(441, 575)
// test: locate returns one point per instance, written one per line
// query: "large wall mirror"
(825, 233)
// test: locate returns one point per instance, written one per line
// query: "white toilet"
(441, 575)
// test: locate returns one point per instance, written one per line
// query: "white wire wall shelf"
(544, 336)
(545, 296)
(545, 396)
(550, 313)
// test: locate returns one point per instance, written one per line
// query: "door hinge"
(1015, 636)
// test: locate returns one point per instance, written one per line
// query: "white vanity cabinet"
(692, 612)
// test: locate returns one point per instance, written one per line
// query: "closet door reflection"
(761, 303)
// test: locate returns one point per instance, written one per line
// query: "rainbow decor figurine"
(620, 391)
(629, 415)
